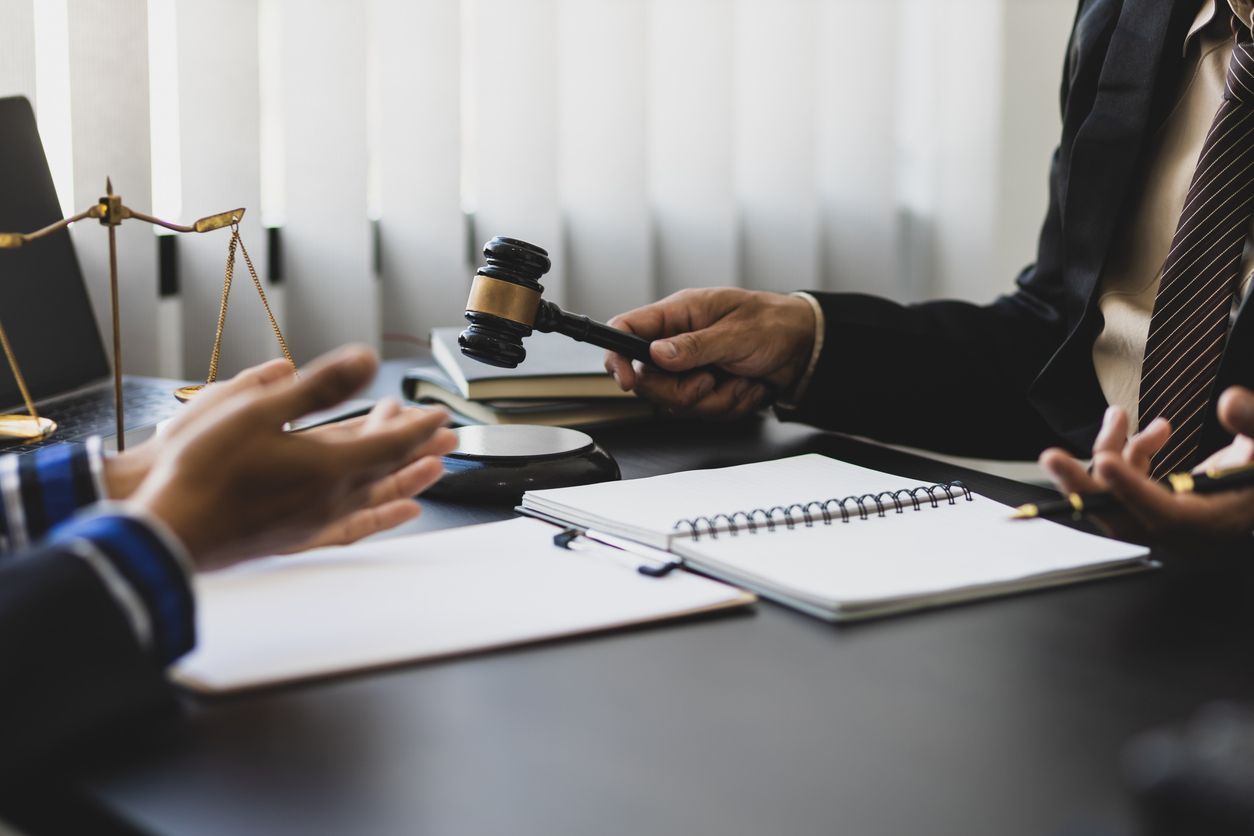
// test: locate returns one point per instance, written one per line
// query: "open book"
(836, 540)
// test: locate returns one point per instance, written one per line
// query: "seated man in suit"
(1119, 339)
(91, 613)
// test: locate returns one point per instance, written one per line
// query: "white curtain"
(889, 146)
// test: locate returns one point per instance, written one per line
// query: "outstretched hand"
(232, 484)
(124, 472)
(762, 340)
(1121, 465)
(391, 499)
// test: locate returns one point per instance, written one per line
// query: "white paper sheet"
(421, 597)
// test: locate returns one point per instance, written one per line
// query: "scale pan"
(186, 393)
(25, 427)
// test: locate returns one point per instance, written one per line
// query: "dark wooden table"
(1001, 717)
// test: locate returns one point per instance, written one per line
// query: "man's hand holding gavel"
(717, 352)
(762, 340)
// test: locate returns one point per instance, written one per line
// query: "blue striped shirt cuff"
(43, 489)
(144, 569)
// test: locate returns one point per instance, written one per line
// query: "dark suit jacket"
(72, 666)
(1010, 378)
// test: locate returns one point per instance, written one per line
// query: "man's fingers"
(1166, 515)
(676, 392)
(406, 440)
(327, 382)
(417, 477)
(1142, 447)
(271, 371)
(380, 413)
(1114, 433)
(1152, 505)
(423, 471)
(748, 396)
(265, 374)
(370, 521)
(686, 310)
(731, 398)
(699, 395)
(254, 377)
(409, 481)
(405, 437)
(1236, 410)
(1068, 475)
(620, 369)
(647, 322)
(1237, 454)
(442, 442)
(677, 327)
(347, 428)
(720, 343)
(364, 522)
(355, 426)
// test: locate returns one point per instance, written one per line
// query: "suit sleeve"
(43, 489)
(948, 376)
(87, 624)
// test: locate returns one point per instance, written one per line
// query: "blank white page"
(647, 509)
(912, 554)
(409, 598)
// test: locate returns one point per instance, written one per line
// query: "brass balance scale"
(110, 211)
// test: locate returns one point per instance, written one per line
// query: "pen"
(1212, 481)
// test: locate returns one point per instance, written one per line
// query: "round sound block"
(497, 464)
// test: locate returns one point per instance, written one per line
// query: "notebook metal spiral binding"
(825, 511)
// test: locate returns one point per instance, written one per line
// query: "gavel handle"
(578, 327)
(550, 317)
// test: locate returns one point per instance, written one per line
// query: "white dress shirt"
(1130, 279)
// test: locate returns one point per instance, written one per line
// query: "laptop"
(47, 314)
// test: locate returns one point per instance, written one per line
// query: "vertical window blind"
(889, 146)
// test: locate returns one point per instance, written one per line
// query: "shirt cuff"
(789, 400)
(42, 489)
(146, 569)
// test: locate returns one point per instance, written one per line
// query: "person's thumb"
(1236, 410)
(255, 377)
(705, 347)
(328, 381)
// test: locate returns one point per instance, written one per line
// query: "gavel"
(505, 305)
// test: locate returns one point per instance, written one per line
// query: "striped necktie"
(1201, 274)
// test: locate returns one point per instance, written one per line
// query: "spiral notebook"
(836, 540)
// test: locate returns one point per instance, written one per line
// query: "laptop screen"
(43, 301)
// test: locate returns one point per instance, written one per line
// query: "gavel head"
(504, 299)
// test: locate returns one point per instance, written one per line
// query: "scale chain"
(216, 355)
(17, 374)
(265, 303)
(214, 358)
